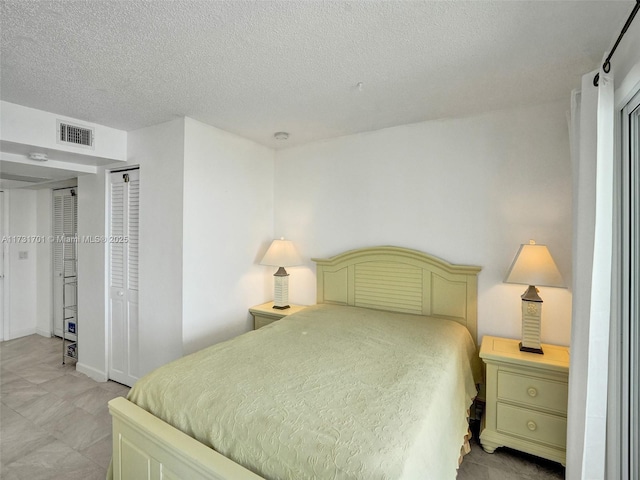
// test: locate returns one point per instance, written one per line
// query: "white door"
(65, 230)
(123, 216)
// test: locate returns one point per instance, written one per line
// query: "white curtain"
(593, 157)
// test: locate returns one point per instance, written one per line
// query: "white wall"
(31, 213)
(29, 126)
(228, 222)
(23, 272)
(469, 190)
(159, 151)
(206, 217)
(92, 353)
(29, 280)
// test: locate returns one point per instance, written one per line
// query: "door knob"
(120, 293)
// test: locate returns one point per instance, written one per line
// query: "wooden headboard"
(401, 280)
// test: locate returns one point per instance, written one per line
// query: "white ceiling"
(258, 67)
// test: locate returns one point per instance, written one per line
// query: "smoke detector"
(281, 135)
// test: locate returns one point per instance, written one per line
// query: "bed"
(372, 382)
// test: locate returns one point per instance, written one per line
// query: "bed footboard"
(146, 447)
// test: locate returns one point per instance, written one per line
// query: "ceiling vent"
(75, 135)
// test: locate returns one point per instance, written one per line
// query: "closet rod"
(606, 66)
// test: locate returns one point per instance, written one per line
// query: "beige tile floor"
(54, 423)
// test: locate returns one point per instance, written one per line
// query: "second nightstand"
(265, 314)
(526, 398)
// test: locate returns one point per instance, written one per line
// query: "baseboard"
(95, 374)
(21, 333)
(43, 333)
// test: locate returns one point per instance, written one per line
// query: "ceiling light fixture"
(38, 157)
(281, 135)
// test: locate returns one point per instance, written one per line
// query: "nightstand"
(265, 314)
(526, 398)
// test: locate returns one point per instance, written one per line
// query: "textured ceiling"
(258, 67)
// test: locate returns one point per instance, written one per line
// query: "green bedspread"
(328, 393)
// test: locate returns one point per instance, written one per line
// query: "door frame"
(629, 330)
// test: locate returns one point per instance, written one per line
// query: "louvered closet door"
(124, 207)
(65, 229)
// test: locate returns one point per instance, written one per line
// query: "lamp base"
(281, 291)
(531, 350)
(277, 307)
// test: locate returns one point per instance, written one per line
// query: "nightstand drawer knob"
(532, 392)
(531, 425)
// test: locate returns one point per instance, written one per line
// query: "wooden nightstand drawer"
(532, 425)
(533, 391)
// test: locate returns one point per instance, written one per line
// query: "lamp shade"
(281, 253)
(533, 265)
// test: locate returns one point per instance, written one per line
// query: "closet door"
(65, 230)
(124, 195)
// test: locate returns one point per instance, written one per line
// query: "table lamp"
(281, 254)
(533, 265)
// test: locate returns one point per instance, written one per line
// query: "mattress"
(331, 392)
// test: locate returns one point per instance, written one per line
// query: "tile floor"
(54, 423)
(505, 464)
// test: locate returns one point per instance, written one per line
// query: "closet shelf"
(71, 350)
(69, 306)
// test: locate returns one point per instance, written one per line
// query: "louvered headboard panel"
(400, 280)
(388, 286)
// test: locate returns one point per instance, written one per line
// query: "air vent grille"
(75, 135)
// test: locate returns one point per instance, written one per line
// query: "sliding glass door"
(631, 290)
